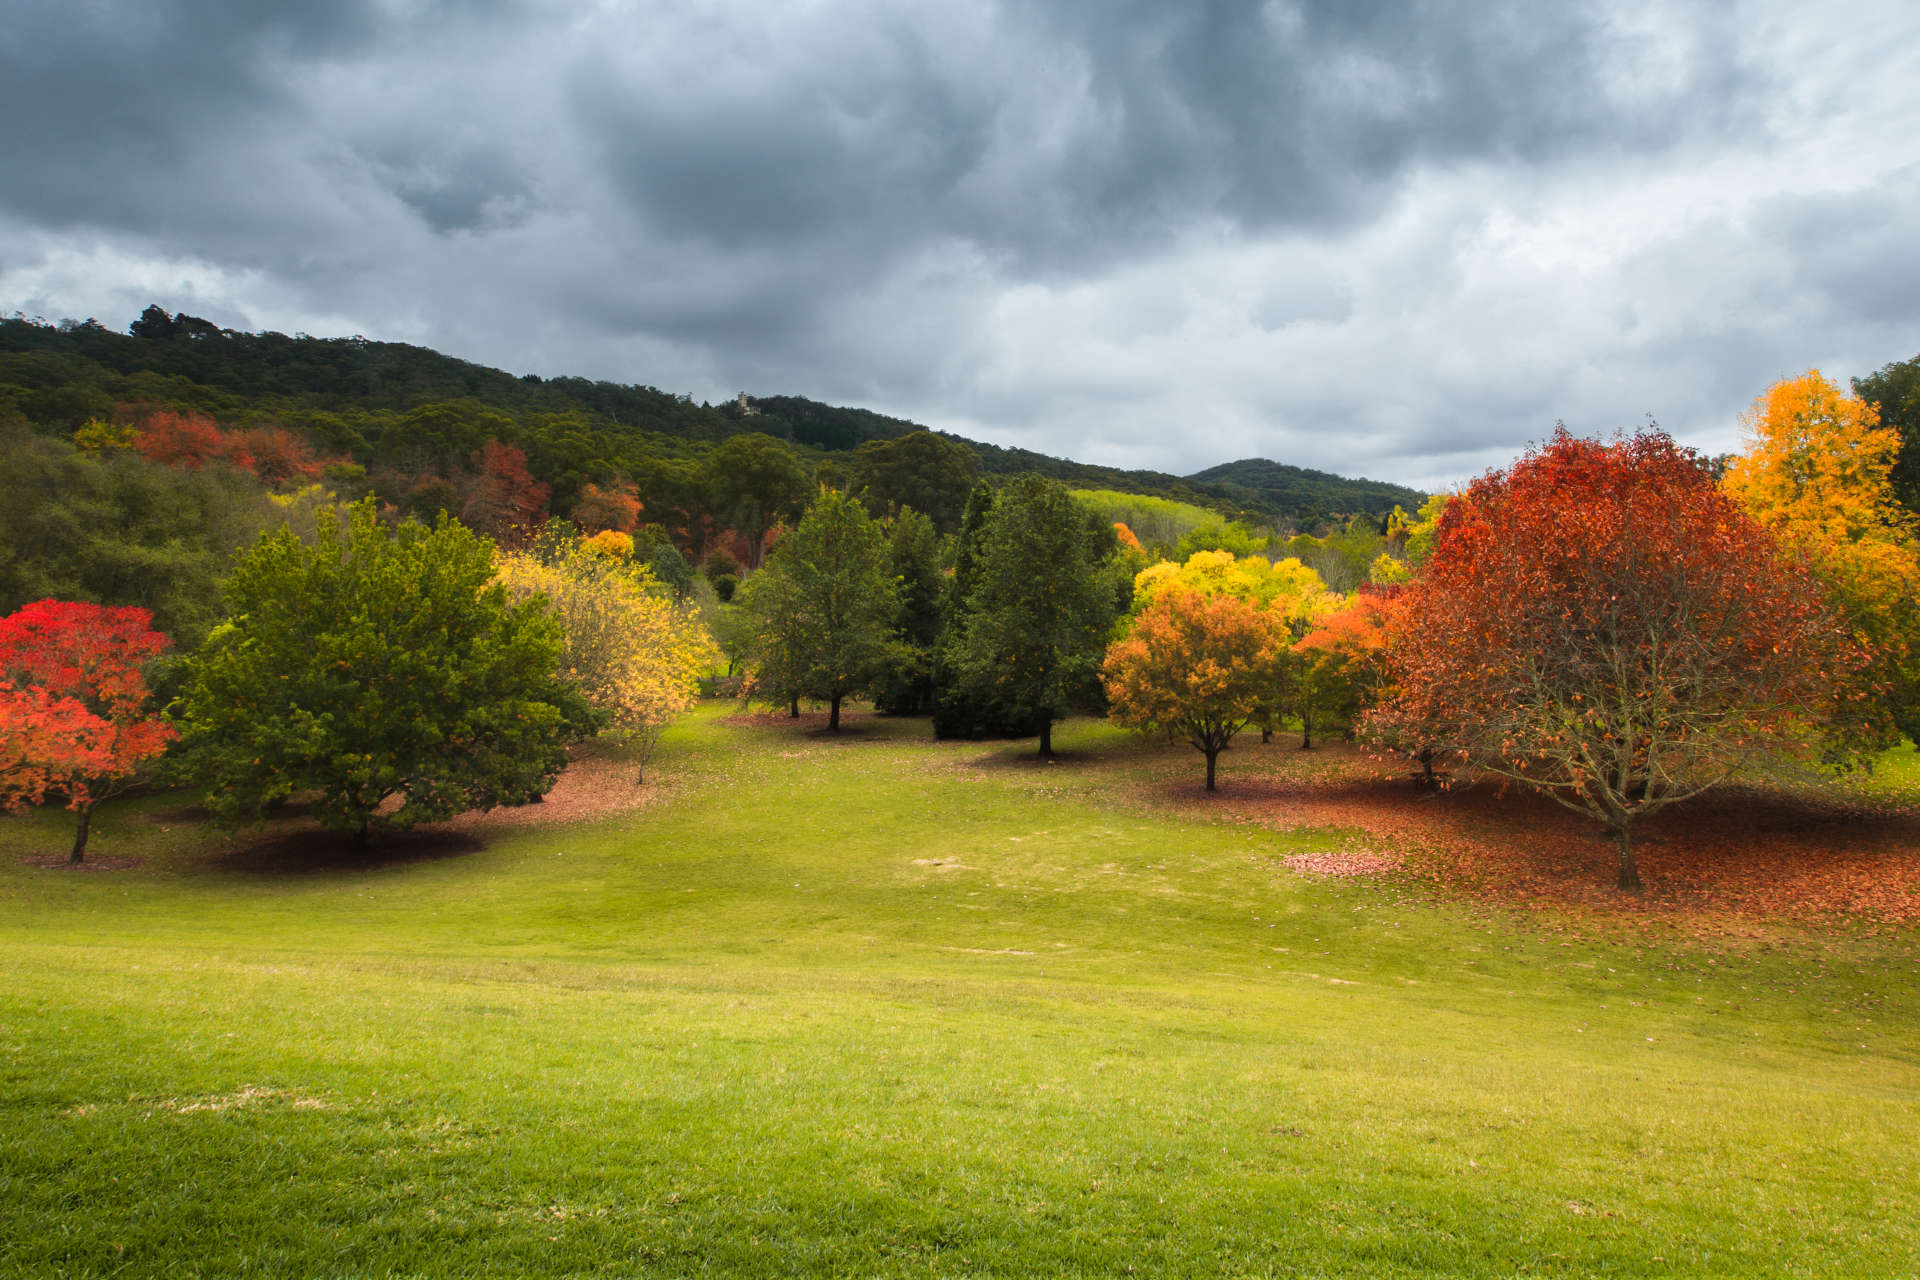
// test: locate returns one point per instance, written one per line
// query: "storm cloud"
(1389, 239)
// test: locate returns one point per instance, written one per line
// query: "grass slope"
(888, 1007)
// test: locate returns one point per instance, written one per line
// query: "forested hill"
(361, 398)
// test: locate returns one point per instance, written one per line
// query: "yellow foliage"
(1385, 571)
(1287, 586)
(631, 650)
(611, 542)
(1816, 473)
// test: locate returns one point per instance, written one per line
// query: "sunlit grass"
(879, 1006)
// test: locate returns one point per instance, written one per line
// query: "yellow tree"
(1287, 589)
(1816, 473)
(634, 654)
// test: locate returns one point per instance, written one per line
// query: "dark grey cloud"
(1392, 238)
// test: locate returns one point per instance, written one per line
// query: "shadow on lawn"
(310, 852)
(1754, 851)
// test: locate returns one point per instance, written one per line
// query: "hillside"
(348, 392)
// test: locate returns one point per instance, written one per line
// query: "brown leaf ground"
(1742, 853)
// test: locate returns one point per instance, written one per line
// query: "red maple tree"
(74, 716)
(1602, 623)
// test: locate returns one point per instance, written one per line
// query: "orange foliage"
(617, 508)
(1193, 664)
(280, 458)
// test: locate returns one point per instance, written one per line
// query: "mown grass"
(884, 1007)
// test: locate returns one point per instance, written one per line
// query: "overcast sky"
(1397, 240)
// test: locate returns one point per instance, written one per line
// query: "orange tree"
(1195, 664)
(1337, 663)
(1603, 623)
(74, 717)
(1818, 474)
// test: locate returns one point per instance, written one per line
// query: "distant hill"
(1287, 488)
(57, 376)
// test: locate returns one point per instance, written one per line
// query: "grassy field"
(879, 1006)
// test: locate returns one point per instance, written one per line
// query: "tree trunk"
(85, 815)
(833, 714)
(1046, 738)
(1213, 754)
(1306, 733)
(793, 711)
(1623, 842)
(1266, 734)
(364, 835)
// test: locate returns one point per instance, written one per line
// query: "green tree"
(916, 560)
(929, 473)
(753, 483)
(1041, 603)
(1895, 391)
(376, 665)
(825, 605)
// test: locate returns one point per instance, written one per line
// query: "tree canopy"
(382, 669)
(1602, 623)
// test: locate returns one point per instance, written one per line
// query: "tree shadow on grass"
(1744, 851)
(310, 852)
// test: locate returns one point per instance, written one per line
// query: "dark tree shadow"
(324, 853)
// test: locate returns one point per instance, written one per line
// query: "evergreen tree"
(915, 555)
(825, 605)
(1040, 605)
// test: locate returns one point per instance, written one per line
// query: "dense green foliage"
(1159, 523)
(825, 605)
(1038, 606)
(114, 528)
(917, 560)
(932, 474)
(1894, 390)
(413, 414)
(381, 670)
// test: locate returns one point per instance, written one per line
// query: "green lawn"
(888, 1007)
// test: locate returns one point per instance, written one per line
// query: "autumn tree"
(501, 498)
(382, 669)
(1818, 473)
(74, 714)
(1194, 665)
(1602, 623)
(1286, 588)
(1041, 601)
(614, 508)
(634, 653)
(1337, 665)
(825, 605)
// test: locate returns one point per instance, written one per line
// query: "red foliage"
(189, 440)
(1726, 862)
(73, 703)
(279, 457)
(502, 495)
(1603, 624)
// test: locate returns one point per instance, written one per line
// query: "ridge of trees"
(353, 397)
